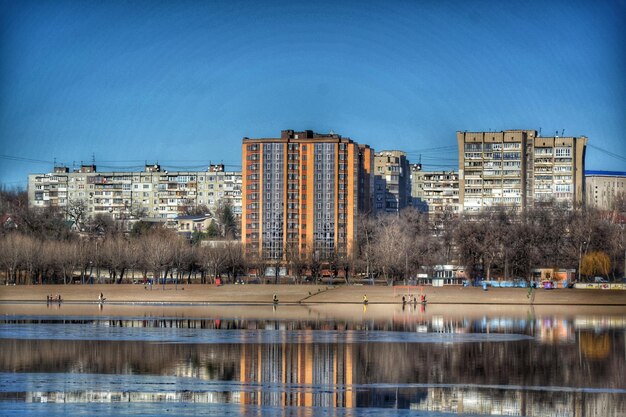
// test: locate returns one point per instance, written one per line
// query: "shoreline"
(262, 294)
(305, 302)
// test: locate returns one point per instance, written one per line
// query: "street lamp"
(580, 257)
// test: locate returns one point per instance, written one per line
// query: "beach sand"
(301, 301)
(261, 293)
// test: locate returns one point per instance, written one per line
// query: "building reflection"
(324, 371)
(536, 377)
(465, 401)
(520, 403)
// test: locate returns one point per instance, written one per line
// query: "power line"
(21, 159)
(614, 155)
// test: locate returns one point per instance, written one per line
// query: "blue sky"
(181, 82)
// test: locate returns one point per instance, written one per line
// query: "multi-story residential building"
(435, 192)
(392, 182)
(517, 168)
(302, 192)
(604, 187)
(153, 192)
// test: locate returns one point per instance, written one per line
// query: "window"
(563, 152)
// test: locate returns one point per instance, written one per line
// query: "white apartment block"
(435, 192)
(161, 194)
(604, 188)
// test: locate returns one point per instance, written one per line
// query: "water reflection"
(543, 366)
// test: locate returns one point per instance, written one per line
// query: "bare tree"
(156, 251)
(67, 258)
(391, 249)
(213, 259)
(296, 261)
(117, 256)
(10, 256)
(77, 212)
(235, 263)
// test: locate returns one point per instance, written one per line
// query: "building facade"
(435, 192)
(392, 182)
(603, 188)
(154, 192)
(302, 192)
(517, 168)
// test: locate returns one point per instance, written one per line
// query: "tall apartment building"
(435, 192)
(604, 187)
(392, 182)
(517, 168)
(158, 192)
(302, 192)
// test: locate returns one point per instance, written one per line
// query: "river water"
(407, 363)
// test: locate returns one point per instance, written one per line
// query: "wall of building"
(516, 168)
(392, 182)
(302, 193)
(159, 193)
(603, 188)
(435, 192)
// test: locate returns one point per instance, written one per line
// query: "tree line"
(493, 244)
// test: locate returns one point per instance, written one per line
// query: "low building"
(603, 188)
(187, 225)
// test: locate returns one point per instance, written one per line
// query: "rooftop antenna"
(556, 134)
(93, 159)
(563, 132)
(55, 162)
(539, 132)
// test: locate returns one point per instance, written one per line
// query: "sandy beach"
(306, 302)
(306, 294)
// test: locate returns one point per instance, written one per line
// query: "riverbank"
(307, 294)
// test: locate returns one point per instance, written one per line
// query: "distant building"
(122, 195)
(302, 192)
(603, 187)
(187, 225)
(392, 182)
(435, 192)
(516, 168)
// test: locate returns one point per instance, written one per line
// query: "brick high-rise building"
(519, 169)
(301, 194)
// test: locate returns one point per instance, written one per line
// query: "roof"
(8, 220)
(193, 217)
(592, 173)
